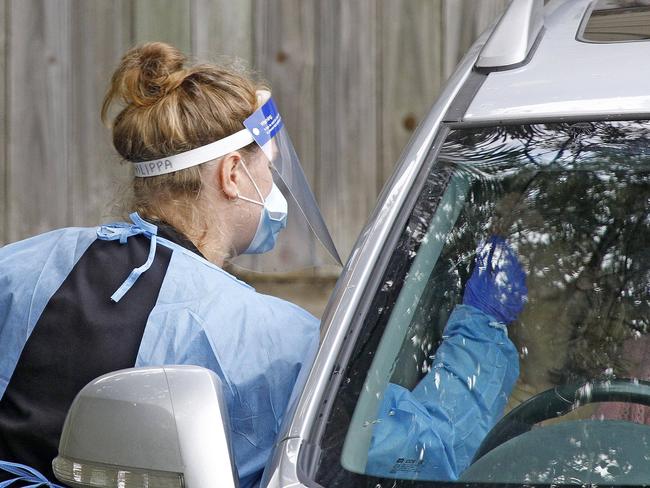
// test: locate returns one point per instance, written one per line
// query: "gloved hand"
(498, 284)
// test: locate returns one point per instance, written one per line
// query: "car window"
(534, 371)
(616, 21)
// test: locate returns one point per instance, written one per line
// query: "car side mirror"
(159, 426)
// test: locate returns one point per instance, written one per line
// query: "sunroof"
(617, 21)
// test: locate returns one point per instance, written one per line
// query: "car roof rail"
(514, 36)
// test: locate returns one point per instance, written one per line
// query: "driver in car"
(433, 431)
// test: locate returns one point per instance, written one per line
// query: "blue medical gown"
(257, 344)
(433, 431)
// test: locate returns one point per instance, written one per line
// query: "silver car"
(541, 137)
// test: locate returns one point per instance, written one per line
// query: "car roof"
(564, 77)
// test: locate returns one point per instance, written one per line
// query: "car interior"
(577, 233)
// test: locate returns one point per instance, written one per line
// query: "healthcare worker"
(209, 153)
(433, 431)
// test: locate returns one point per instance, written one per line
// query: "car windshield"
(507, 340)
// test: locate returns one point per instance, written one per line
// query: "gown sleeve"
(433, 431)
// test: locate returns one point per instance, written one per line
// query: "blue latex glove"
(498, 284)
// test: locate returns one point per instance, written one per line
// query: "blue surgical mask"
(273, 218)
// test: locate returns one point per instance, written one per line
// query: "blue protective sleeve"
(433, 431)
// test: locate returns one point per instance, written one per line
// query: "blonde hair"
(169, 108)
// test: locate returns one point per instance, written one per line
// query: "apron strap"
(121, 231)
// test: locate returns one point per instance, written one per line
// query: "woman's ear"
(228, 175)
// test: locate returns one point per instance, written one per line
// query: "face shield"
(306, 241)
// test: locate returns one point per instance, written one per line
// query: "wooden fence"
(353, 78)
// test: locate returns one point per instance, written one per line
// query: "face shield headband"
(201, 154)
(266, 128)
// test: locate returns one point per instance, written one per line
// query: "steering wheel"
(558, 401)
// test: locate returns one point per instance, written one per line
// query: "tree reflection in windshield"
(581, 225)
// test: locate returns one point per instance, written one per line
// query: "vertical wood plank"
(4, 24)
(163, 20)
(100, 35)
(284, 55)
(411, 72)
(454, 42)
(222, 28)
(38, 107)
(348, 129)
(465, 20)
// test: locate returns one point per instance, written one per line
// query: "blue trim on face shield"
(264, 123)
